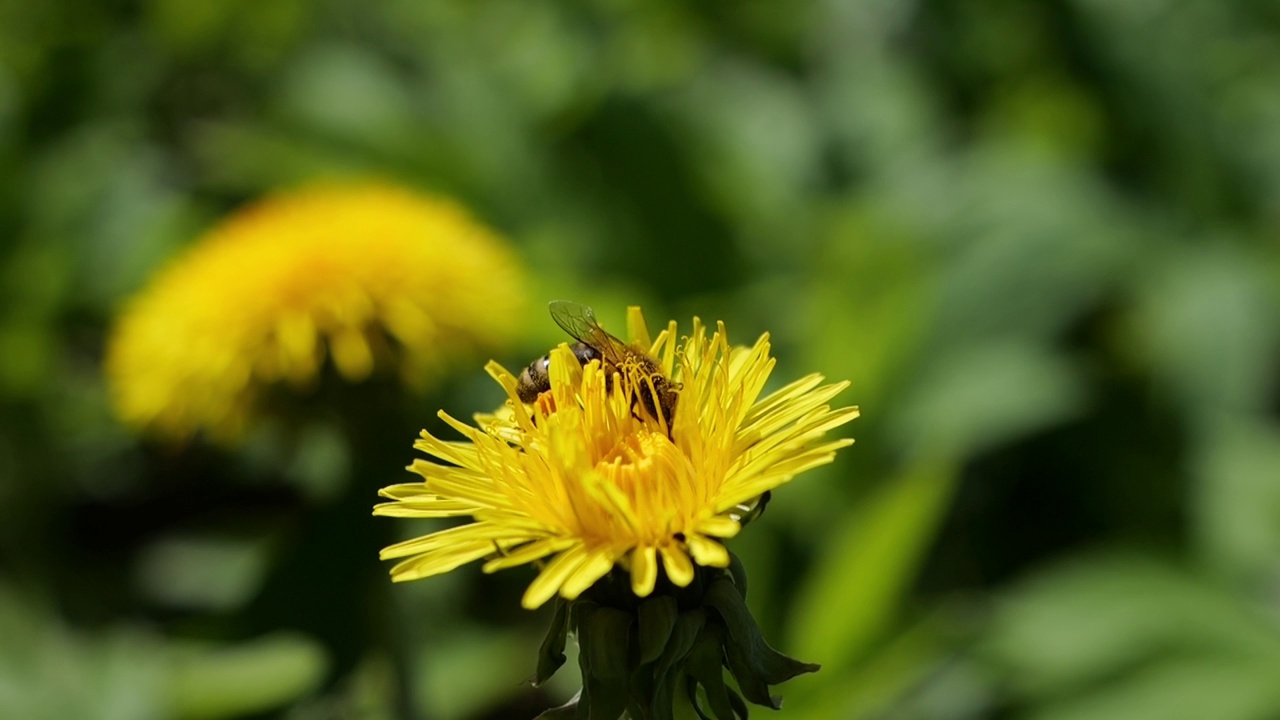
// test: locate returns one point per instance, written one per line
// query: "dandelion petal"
(552, 577)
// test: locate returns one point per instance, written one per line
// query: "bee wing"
(580, 322)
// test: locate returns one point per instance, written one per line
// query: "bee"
(655, 390)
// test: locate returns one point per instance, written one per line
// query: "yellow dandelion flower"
(586, 478)
(370, 277)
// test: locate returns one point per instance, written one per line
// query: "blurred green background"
(1042, 240)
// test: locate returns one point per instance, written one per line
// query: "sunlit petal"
(589, 478)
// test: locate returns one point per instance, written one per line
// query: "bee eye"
(546, 363)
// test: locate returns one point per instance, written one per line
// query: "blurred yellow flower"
(372, 277)
(587, 478)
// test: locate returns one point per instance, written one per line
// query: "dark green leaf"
(854, 591)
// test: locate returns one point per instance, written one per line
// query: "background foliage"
(1041, 239)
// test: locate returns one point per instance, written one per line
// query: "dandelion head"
(590, 476)
(368, 278)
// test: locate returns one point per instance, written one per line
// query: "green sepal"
(739, 705)
(691, 689)
(635, 712)
(551, 654)
(642, 685)
(755, 689)
(604, 635)
(752, 661)
(604, 642)
(636, 652)
(685, 633)
(706, 667)
(671, 665)
(735, 700)
(567, 711)
(657, 618)
(738, 572)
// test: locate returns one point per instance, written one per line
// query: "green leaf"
(871, 689)
(977, 397)
(1093, 619)
(1223, 299)
(206, 573)
(48, 670)
(891, 284)
(853, 593)
(1217, 687)
(1236, 463)
(265, 674)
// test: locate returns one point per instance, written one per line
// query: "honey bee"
(655, 390)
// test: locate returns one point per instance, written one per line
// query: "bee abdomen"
(536, 378)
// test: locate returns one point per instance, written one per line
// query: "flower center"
(635, 453)
(651, 473)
